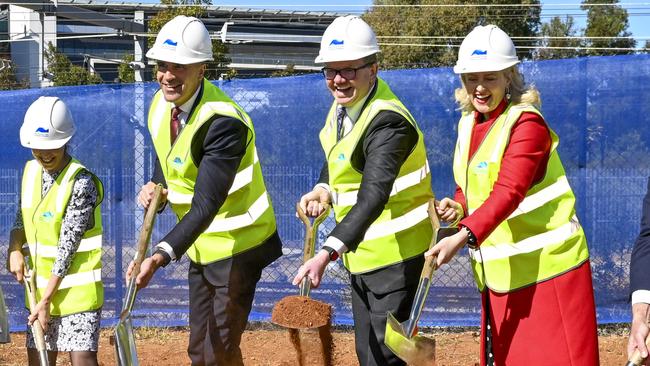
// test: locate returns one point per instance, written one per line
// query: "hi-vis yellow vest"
(81, 289)
(402, 230)
(246, 218)
(542, 238)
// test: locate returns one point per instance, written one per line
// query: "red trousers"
(552, 323)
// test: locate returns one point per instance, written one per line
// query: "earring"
(508, 95)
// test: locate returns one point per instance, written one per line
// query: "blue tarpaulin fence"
(597, 105)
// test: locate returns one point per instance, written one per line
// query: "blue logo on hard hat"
(337, 42)
(479, 53)
(170, 42)
(41, 131)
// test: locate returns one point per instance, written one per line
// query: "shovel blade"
(416, 350)
(125, 351)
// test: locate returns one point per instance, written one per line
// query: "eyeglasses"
(348, 73)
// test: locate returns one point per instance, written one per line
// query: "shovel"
(125, 351)
(29, 281)
(636, 359)
(291, 311)
(400, 337)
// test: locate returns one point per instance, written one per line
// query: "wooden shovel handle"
(311, 229)
(37, 327)
(430, 263)
(147, 228)
(636, 358)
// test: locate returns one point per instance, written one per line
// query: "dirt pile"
(301, 312)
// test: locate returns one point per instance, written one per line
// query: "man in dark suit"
(640, 283)
(205, 145)
(377, 179)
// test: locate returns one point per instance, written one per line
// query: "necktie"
(340, 117)
(175, 124)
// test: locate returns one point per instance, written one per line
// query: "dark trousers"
(390, 289)
(219, 313)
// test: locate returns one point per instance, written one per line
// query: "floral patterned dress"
(80, 331)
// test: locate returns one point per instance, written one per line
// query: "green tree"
(560, 32)
(64, 72)
(192, 8)
(8, 79)
(124, 72)
(288, 71)
(426, 33)
(607, 21)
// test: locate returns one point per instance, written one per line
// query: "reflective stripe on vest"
(243, 178)
(401, 183)
(49, 251)
(73, 280)
(42, 218)
(542, 237)
(528, 245)
(247, 205)
(402, 230)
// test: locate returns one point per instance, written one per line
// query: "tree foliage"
(192, 8)
(124, 72)
(560, 32)
(64, 72)
(427, 33)
(607, 21)
(8, 79)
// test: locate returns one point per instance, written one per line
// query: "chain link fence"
(594, 104)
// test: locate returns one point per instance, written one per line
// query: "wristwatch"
(471, 238)
(334, 255)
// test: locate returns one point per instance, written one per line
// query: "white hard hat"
(47, 124)
(347, 38)
(486, 48)
(183, 40)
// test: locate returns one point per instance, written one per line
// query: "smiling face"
(51, 160)
(179, 82)
(486, 89)
(347, 92)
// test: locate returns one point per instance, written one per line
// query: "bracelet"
(471, 238)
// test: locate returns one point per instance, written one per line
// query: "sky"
(638, 10)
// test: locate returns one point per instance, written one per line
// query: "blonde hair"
(519, 92)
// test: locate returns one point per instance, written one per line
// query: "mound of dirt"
(301, 312)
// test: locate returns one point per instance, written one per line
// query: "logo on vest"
(178, 161)
(341, 157)
(481, 168)
(47, 216)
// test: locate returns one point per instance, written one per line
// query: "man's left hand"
(313, 269)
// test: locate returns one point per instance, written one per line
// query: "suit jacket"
(218, 147)
(379, 155)
(640, 263)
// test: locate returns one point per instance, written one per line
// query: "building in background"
(98, 35)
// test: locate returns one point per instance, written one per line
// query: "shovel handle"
(311, 229)
(37, 327)
(636, 359)
(147, 228)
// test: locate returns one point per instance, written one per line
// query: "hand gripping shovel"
(302, 312)
(125, 351)
(400, 337)
(37, 328)
(636, 359)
